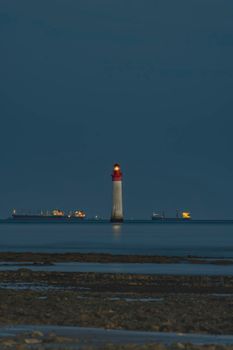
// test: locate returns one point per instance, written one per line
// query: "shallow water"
(37, 287)
(100, 336)
(131, 268)
(209, 240)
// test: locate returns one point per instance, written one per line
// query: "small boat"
(185, 216)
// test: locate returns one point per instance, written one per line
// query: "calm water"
(99, 336)
(135, 268)
(209, 240)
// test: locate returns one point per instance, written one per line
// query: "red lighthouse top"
(117, 174)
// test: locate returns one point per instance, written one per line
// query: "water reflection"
(117, 230)
(206, 240)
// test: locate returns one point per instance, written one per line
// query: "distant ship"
(53, 215)
(185, 216)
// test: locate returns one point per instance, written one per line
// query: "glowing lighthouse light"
(117, 207)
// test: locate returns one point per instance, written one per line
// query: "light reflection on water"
(116, 229)
(209, 240)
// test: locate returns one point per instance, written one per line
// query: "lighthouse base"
(117, 220)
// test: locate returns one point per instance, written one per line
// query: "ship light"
(57, 212)
(186, 215)
(79, 214)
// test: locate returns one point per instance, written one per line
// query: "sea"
(200, 240)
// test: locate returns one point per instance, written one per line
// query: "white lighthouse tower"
(117, 206)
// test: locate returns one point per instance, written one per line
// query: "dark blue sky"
(86, 83)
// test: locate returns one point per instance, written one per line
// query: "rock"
(180, 346)
(84, 317)
(32, 341)
(65, 340)
(51, 337)
(8, 342)
(36, 334)
(24, 272)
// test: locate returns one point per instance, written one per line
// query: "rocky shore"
(197, 304)
(39, 341)
(159, 303)
(51, 258)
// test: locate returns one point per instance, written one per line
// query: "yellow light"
(57, 212)
(186, 215)
(79, 214)
(116, 168)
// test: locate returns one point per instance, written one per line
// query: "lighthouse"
(117, 207)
